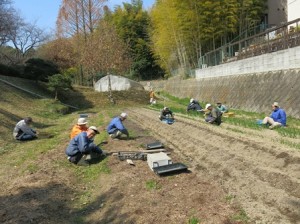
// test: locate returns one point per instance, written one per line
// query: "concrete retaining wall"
(252, 92)
(280, 60)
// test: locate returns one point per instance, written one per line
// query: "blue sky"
(44, 12)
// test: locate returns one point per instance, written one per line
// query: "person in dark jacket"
(23, 131)
(194, 105)
(115, 129)
(82, 145)
(166, 113)
(213, 115)
(277, 117)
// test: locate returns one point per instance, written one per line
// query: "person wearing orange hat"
(79, 127)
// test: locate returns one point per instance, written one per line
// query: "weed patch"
(152, 185)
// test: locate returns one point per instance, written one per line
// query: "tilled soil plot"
(262, 177)
(135, 194)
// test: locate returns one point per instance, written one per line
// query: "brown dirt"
(258, 175)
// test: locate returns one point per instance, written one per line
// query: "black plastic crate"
(171, 168)
(154, 145)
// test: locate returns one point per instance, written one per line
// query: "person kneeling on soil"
(115, 129)
(82, 148)
(213, 115)
(277, 117)
(23, 131)
(166, 115)
(79, 127)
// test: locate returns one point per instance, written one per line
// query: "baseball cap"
(124, 115)
(94, 129)
(207, 106)
(82, 121)
(191, 100)
(276, 104)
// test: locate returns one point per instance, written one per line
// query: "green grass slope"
(50, 116)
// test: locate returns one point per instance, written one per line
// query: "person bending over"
(83, 145)
(23, 131)
(213, 115)
(116, 129)
(194, 105)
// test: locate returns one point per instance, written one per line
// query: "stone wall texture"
(251, 92)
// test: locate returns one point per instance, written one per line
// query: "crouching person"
(116, 129)
(82, 147)
(23, 131)
(213, 115)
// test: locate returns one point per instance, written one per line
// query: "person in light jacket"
(23, 131)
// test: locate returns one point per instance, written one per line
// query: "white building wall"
(280, 60)
(293, 9)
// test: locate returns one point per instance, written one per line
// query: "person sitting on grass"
(213, 115)
(23, 131)
(116, 129)
(83, 145)
(277, 117)
(194, 105)
(166, 115)
(79, 127)
(222, 108)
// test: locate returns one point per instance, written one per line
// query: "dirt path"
(261, 176)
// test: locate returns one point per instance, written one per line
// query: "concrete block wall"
(280, 60)
(251, 92)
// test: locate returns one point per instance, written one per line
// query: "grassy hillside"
(48, 115)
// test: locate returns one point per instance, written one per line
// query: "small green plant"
(229, 198)
(241, 216)
(32, 168)
(193, 220)
(152, 185)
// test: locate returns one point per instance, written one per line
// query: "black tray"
(171, 168)
(154, 145)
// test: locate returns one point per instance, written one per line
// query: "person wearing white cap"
(277, 117)
(23, 131)
(213, 115)
(79, 127)
(194, 105)
(82, 145)
(116, 128)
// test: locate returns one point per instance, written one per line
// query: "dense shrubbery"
(9, 71)
(39, 69)
(34, 69)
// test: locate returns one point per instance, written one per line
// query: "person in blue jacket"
(82, 145)
(277, 117)
(116, 128)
